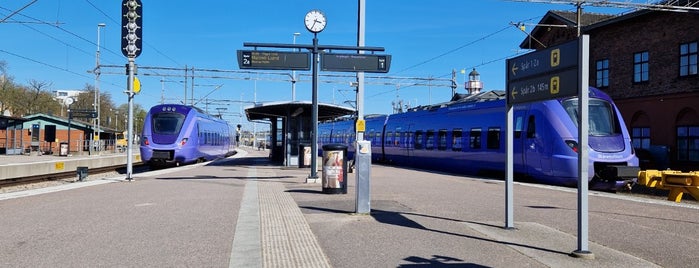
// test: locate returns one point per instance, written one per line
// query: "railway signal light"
(131, 28)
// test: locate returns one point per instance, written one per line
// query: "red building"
(647, 61)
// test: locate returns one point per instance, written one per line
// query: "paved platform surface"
(244, 212)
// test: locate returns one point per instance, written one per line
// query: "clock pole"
(314, 113)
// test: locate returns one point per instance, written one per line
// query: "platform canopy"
(270, 110)
(11, 122)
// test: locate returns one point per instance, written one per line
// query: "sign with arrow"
(544, 74)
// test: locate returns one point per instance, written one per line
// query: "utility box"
(82, 173)
(362, 166)
(334, 169)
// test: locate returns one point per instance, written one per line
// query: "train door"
(409, 142)
(520, 122)
(533, 147)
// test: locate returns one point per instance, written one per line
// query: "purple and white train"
(178, 134)
(467, 136)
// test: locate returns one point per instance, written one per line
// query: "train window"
(493, 138)
(418, 139)
(442, 135)
(531, 128)
(409, 140)
(167, 123)
(429, 145)
(389, 138)
(518, 126)
(475, 138)
(601, 119)
(456, 139)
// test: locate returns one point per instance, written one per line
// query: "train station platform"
(245, 212)
(19, 166)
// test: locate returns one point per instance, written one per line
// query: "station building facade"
(647, 62)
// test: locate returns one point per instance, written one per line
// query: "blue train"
(178, 134)
(467, 136)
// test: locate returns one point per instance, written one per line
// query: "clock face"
(315, 21)
(68, 101)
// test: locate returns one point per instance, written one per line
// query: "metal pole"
(509, 169)
(191, 102)
(314, 114)
(583, 132)
(293, 76)
(97, 81)
(162, 90)
(362, 158)
(70, 116)
(360, 75)
(130, 139)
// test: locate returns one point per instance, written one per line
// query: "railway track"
(66, 177)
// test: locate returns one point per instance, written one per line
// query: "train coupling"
(615, 178)
(677, 182)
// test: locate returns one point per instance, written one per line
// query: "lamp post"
(293, 76)
(97, 80)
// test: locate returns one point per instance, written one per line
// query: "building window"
(602, 73)
(640, 67)
(688, 143)
(688, 59)
(640, 137)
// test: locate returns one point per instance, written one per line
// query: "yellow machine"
(676, 182)
(121, 141)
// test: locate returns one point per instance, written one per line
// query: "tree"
(6, 86)
(39, 100)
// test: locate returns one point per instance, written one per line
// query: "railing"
(76, 146)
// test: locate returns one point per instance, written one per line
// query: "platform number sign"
(247, 55)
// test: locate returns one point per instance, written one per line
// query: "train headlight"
(573, 145)
(145, 141)
(183, 142)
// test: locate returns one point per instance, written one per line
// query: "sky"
(55, 41)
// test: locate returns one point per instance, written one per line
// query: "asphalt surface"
(245, 212)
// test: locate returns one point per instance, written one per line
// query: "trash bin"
(82, 173)
(304, 155)
(334, 176)
(63, 149)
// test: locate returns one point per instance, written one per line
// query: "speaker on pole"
(50, 133)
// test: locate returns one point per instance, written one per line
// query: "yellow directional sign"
(136, 85)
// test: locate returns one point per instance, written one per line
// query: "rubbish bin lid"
(334, 146)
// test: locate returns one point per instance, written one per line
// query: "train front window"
(601, 120)
(167, 123)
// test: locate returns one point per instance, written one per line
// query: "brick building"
(647, 61)
(31, 135)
